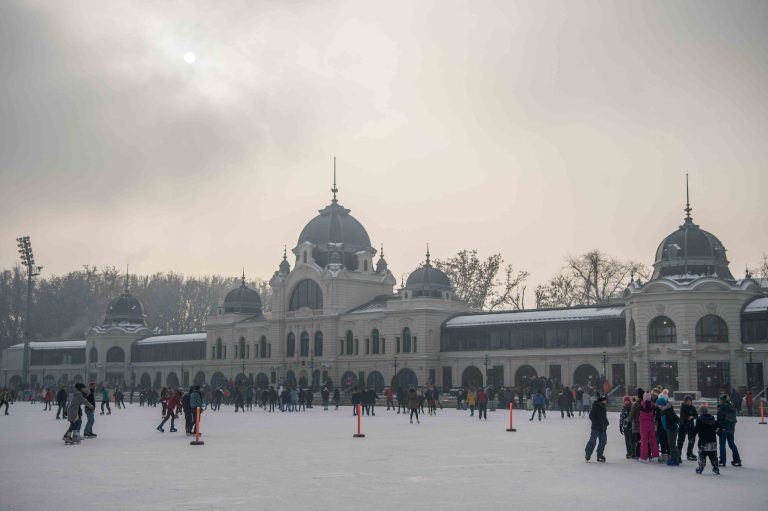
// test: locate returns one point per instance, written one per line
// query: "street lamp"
(486, 370)
(605, 361)
(398, 382)
(28, 261)
(751, 371)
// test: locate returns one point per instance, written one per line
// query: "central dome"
(691, 250)
(243, 300)
(124, 309)
(335, 230)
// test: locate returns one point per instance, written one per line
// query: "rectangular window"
(556, 374)
(213, 352)
(273, 377)
(447, 377)
(367, 346)
(341, 347)
(357, 346)
(247, 351)
(235, 350)
(414, 346)
(269, 350)
(432, 376)
(397, 345)
(225, 352)
(383, 345)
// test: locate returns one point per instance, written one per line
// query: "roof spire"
(381, 254)
(285, 252)
(243, 278)
(334, 189)
(687, 201)
(428, 262)
(126, 279)
(747, 273)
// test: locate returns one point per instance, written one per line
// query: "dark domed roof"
(124, 309)
(427, 279)
(691, 250)
(243, 300)
(334, 224)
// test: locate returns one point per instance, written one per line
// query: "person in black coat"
(706, 428)
(688, 417)
(371, 401)
(61, 402)
(598, 417)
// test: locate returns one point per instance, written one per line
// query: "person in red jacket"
(388, 394)
(749, 401)
(482, 404)
(172, 407)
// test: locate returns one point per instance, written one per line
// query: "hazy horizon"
(533, 129)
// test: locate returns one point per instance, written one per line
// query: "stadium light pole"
(28, 261)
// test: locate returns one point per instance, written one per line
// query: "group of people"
(652, 429)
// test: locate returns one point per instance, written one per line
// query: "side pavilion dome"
(243, 300)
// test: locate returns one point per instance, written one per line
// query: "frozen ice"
(310, 461)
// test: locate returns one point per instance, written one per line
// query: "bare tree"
(589, 279)
(477, 282)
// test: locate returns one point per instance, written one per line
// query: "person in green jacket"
(105, 401)
(195, 402)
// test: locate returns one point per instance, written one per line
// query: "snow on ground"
(310, 460)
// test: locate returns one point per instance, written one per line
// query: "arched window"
(375, 341)
(304, 258)
(348, 338)
(263, 346)
(115, 354)
(318, 343)
(290, 349)
(219, 349)
(242, 347)
(306, 294)
(711, 328)
(94, 355)
(365, 265)
(662, 330)
(304, 348)
(406, 340)
(631, 332)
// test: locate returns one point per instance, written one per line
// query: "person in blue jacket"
(538, 404)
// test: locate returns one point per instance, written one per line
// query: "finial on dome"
(687, 201)
(381, 253)
(285, 252)
(428, 262)
(747, 273)
(243, 278)
(334, 189)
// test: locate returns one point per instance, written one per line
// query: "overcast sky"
(535, 129)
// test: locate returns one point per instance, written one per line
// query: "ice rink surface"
(309, 461)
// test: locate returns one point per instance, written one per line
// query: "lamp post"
(395, 377)
(751, 371)
(486, 371)
(605, 361)
(28, 261)
(312, 371)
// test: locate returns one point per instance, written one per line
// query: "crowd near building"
(337, 317)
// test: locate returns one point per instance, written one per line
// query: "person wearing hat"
(726, 419)
(687, 427)
(599, 420)
(625, 427)
(647, 429)
(634, 416)
(671, 424)
(706, 429)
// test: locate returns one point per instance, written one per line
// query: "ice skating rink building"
(336, 314)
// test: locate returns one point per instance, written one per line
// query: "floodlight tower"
(28, 260)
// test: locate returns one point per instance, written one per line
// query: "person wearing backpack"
(726, 418)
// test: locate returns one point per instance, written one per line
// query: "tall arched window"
(662, 330)
(348, 338)
(219, 349)
(242, 347)
(94, 356)
(115, 354)
(290, 349)
(365, 265)
(711, 328)
(406, 340)
(306, 294)
(263, 346)
(318, 343)
(304, 347)
(375, 341)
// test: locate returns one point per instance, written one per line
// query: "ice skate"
(601, 459)
(699, 470)
(173, 430)
(736, 463)
(716, 471)
(160, 429)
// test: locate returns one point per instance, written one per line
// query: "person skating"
(90, 413)
(105, 401)
(471, 401)
(61, 402)
(5, 399)
(687, 428)
(749, 401)
(389, 397)
(401, 397)
(599, 421)
(195, 406)
(172, 407)
(371, 401)
(73, 414)
(726, 419)
(706, 429)
(482, 404)
(538, 404)
(671, 424)
(186, 408)
(647, 429)
(48, 399)
(585, 403)
(625, 427)
(325, 396)
(562, 404)
(413, 403)
(579, 400)
(336, 398)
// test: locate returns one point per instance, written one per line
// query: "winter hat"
(703, 409)
(688, 398)
(647, 396)
(724, 397)
(601, 397)
(640, 393)
(627, 399)
(662, 400)
(665, 392)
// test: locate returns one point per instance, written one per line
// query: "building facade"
(337, 316)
